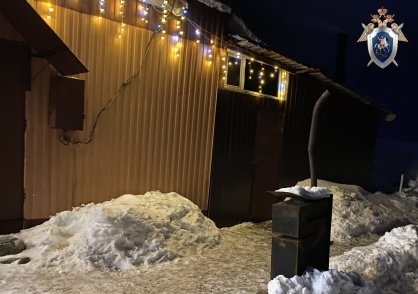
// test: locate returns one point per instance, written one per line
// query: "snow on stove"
(313, 193)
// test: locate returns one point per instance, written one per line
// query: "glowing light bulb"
(175, 38)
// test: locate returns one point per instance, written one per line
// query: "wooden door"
(267, 155)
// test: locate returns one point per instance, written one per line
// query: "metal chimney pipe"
(313, 135)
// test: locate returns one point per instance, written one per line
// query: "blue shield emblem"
(382, 41)
(383, 45)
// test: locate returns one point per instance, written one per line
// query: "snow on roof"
(119, 234)
(217, 5)
(236, 24)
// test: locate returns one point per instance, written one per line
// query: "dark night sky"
(307, 31)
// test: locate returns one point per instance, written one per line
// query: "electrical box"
(66, 103)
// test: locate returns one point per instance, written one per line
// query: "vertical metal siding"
(156, 135)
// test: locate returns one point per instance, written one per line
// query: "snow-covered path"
(64, 253)
(240, 264)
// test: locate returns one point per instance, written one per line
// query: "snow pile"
(357, 212)
(120, 234)
(390, 264)
(391, 261)
(316, 282)
(412, 189)
(307, 192)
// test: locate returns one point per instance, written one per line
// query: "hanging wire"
(205, 33)
(62, 137)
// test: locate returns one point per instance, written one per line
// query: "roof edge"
(21, 15)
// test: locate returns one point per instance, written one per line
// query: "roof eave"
(41, 37)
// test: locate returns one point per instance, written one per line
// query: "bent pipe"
(313, 135)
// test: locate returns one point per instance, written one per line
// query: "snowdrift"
(357, 212)
(120, 234)
(391, 264)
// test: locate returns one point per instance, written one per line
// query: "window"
(245, 73)
(234, 71)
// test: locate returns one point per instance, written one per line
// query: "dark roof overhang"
(41, 37)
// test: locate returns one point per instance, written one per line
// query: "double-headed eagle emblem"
(382, 41)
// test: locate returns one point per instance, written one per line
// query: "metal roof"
(41, 37)
(298, 68)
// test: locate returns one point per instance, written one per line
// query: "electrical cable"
(62, 138)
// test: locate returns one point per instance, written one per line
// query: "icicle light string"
(62, 138)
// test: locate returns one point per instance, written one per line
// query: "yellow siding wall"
(156, 135)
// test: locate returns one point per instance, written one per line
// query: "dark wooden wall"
(346, 140)
(259, 147)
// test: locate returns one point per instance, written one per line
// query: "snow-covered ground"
(161, 243)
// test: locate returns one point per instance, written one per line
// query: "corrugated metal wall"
(156, 135)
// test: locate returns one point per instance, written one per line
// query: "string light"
(223, 67)
(175, 38)
(164, 17)
(50, 11)
(283, 82)
(209, 54)
(197, 35)
(102, 7)
(122, 16)
(143, 12)
(177, 47)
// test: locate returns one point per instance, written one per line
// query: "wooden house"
(107, 97)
